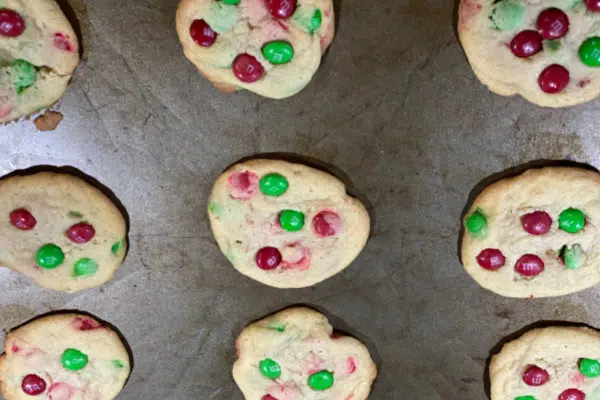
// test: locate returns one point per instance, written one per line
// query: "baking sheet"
(398, 112)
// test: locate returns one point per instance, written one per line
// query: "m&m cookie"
(270, 47)
(60, 231)
(536, 234)
(546, 51)
(554, 363)
(294, 355)
(63, 357)
(286, 225)
(39, 51)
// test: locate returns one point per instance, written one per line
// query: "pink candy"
(243, 185)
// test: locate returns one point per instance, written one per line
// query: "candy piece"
(11, 23)
(116, 247)
(535, 376)
(231, 2)
(571, 220)
(529, 265)
(85, 324)
(477, 224)
(269, 368)
(526, 43)
(552, 45)
(589, 368)
(85, 267)
(202, 33)
(277, 327)
(268, 397)
(62, 42)
(278, 52)
(315, 21)
(74, 360)
(273, 184)
(60, 391)
(291, 220)
(574, 257)
(351, 365)
(593, 5)
(22, 219)
(508, 15)
(553, 23)
(553, 79)
(117, 363)
(281, 9)
(536, 223)
(572, 394)
(75, 214)
(24, 75)
(247, 68)
(589, 52)
(525, 398)
(321, 380)
(50, 256)
(81, 233)
(491, 259)
(243, 185)
(326, 223)
(268, 258)
(33, 385)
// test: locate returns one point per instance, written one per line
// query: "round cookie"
(548, 363)
(546, 51)
(536, 234)
(286, 225)
(60, 231)
(292, 355)
(38, 53)
(270, 47)
(63, 357)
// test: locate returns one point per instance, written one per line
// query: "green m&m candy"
(85, 267)
(116, 247)
(589, 52)
(273, 184)
(574, 256)
(477, 223)
(508, 15)
(589, 368)
(291, 220)
(231, 2)
(321, 380)
(525, 398)
(571, 220)
(24, 75)
(74, 360)
(315, 21)
(49, 256)
(269, 368)
(278, 52)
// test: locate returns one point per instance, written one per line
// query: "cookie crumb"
(48, 121)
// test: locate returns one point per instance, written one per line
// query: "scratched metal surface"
(394, 106)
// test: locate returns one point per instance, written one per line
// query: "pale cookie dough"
(330, 228)
(488, 31)
(248, 28)
(37, 56)
(63, 357)
(60, 231)
(548, 364)
(535, 235)
(292, 355)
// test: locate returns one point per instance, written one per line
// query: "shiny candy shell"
(50, 256)
(589, 368)
(270, 368)
(85, 267)
(278, 52)
(321, 380)
(74, 360)
(11, 23)
(589, 52)
(33, 385)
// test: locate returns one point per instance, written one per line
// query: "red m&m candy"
(529, 265)
(572, 394)
(202, 33)
(553, 79)
(268, 258)
(81, 233)
(326, 223)
(281, 8)
(526, 43)
(536, 223)
(593, 5)
(33, 385)
(268, 397)
(247, 68)
(491, 259)
(22, 219)
(535, 376)
(553, 23)
(11, 23)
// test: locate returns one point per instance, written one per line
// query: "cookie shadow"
(515, 335)
(351, 189)
(510, 173)
(67, 169)
(88, 314)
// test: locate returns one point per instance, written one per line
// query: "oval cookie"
(535, 235)
(292, 355)
(286, 225)
(60, 231)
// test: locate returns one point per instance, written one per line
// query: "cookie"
(39, 51)
(63, 357)
(548, 363)
(60, 231)
(286, 225)
(547, 52)
(270, 47)
(292, 355)
(536, 234)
